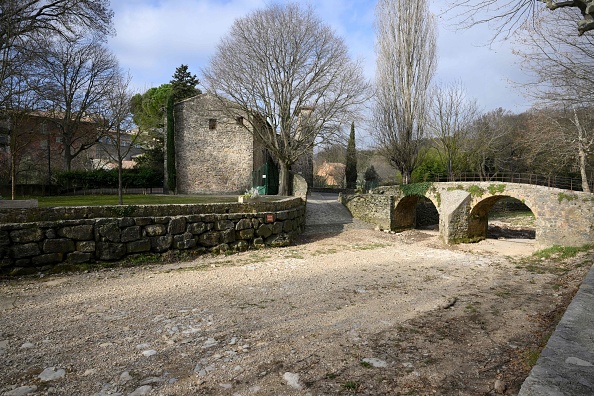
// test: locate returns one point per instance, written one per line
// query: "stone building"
(216, 153)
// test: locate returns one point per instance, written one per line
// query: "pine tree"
(351, 160)
(184, 84)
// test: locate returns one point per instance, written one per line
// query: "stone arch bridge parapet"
(562, 217)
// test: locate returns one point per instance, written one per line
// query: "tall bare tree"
(21, 20)
(489, 145)
(77, 75)
(562, 88)
(116, 115)
(406, 62)
(451, 120)
(506, 16)
(292, 73)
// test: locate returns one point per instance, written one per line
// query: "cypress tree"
(170, 149)
(351, 160)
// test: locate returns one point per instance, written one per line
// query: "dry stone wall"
(30, 247)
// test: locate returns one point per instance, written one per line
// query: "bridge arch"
(405, 211)
(562, 217)
(478, 219)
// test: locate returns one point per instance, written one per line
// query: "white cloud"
(156, 36)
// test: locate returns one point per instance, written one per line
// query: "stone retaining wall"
(372, 208)
(75, 236)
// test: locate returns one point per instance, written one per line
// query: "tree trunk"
(406, 178)
(13, 177)
(120, 189)
(283, 179)
(583, 164)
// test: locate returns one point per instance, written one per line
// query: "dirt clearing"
(349, 310)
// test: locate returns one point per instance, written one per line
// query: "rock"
(500, 387)
(149, 352)
(151, 380)
(575, 361)
(125, 377)
(27, 345)
(226, 386)
(21, 391)
(375, 362)
(161, 244)
(177, 226)
(111, 251)
(448, 303)
(143, 245)
(143, 390)
(110, 232)
(130, 234)
(264, 231)
(27, 235)
(51, 374)
(79, 233)
(210, 343)
(25, 250)
(155, 230)
(292, 380)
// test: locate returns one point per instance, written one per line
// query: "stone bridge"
(563, 217)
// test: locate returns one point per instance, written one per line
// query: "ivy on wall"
(170, 149)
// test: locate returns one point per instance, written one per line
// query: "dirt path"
(348, 310)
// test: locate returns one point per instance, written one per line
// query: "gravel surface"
(347, 310)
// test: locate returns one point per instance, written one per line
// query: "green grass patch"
(475, 191)
(139, 199)
(496, 189)
(419, 189)
(351, 385)
(547, 261)
(369, 246)
(567, 197)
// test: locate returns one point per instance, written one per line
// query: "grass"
(135, 199)
(547, 261)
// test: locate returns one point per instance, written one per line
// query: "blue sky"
(156, 36)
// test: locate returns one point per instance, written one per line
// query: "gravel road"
(346, 310)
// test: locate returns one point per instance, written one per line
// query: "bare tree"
(117, 120)
(77, 77)
(507, 16)
(488, 143)
(452, 117)
(560, 140)
(22, 20)
(563, 89)
(293, 75)
(406, 62)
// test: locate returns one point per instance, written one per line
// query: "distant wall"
(33, 240)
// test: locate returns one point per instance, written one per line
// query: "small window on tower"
(239, 120)
(212, 123)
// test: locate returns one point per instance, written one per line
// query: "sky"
(154, 37)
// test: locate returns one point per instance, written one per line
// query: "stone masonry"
(215, 153)
(77, 236)
(563, 217)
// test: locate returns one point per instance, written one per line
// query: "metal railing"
(562, 182)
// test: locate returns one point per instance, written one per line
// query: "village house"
(218, 154)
